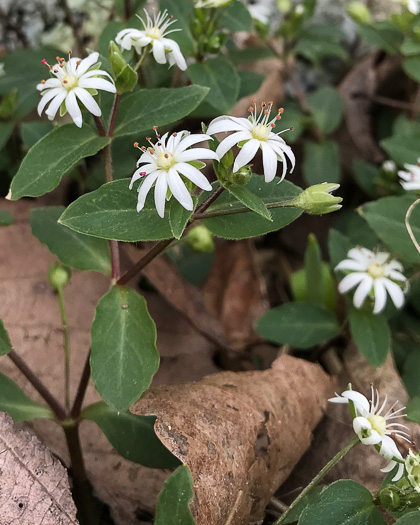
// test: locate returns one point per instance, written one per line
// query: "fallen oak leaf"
(34, 487)
(239, 433)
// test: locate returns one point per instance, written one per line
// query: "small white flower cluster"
(411, 177)
(375, 276)
(374, 426)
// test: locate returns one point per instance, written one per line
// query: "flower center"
(165, 161)
(378, 423)
(260, 132)
(154, 32)
(375, 270)
(69, 81)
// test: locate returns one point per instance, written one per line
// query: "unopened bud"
(59, 276)
(359, 12)
(125, 76)
(390, 498)
(389, 166)
(242, 176)
(412, 465)
(317, 200)
(200, 239)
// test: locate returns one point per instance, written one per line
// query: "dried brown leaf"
(240, 433)
(34, 487)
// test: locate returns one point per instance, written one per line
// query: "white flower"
(374, 276)
(74, 80)
(164, 164)
(412, 465)
(413, 6)
(252, 134)
(374, 428)
(389, 166)
(154, 34)
(410, 178)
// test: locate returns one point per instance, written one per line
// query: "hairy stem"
(159, 247)
(408, 225)
(244, 209)
(39, 386)
(321, 474)
(66, 347)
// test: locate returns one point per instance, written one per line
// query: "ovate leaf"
(321, 162)
(18, 405)
(236, 17)
(327, 109)
(6, 218)
(52, 157)
(124, 354)
(251, 201)
(173, 505)
(72, 248)
(5, 344)
(133, 437)
(412, 518)
(371, 335)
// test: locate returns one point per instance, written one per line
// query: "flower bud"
(200, 239)
(59, 276)
(317, 200)
(242, 176)
(412, 465)
(125, 76)
(389, 166)
(390, 498)
(359, 13)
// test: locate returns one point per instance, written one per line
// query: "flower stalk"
(66, 347)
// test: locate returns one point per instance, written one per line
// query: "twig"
(408, 226)
(128, 9)
(39, 386)
(81, 389)
(66, 347)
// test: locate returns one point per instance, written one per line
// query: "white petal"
(86, 63)
(389, 449)
(159, 52)
(226, 123)
(196, 154)
(194, 175)
(362, 291)
(73, 108)
(409, 186)
(55, 104)
(350, 281)
(48, 84)
(179, 190)
(389, 467)
(350, 264)
(47, 97)
(405, 175)
(361, 423)
(138, 174)
(97, 83)
(247, 153)
(175, 54)
(380, 258)
(282, 149)
(228, 143)
(399, 473)
(145, 188)
(189, 141)
(397, 295)
(380, 296)
(161, 188)
(358, 255)
(360, 401)
(397, 276)
(269, 162)
(88, 101)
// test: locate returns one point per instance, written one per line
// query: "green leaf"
(236, 17)
(299, 287)
(313, 272)
(178, 217)
(173, 505)
(387, 219)
(366, 176)
(251, 201)
(318, 42)
(124, 354)
(109, 33)
(371, 334)
(250, 55)
(410, 46)
(412, 518)
(411, 66)
(343, 502)
(411, 373)
(72, 248)
(221, 77)
(413, 409)
(321, 162)
(5, 344)
(110, 213)
(327, 109)
(182, 11)
(403, 149)
(383, 34)
(249, 224)
(145, 108)
(301, 325)
(6, 218)
(52, 157)
(18, 405)
(338, 247)
(34, 131)
(250, 83)
(6, 129)
(310, 499)
(133, 437)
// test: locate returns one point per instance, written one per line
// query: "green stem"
(321, 474)
(142, 58)
(244, 209)
(66, 347)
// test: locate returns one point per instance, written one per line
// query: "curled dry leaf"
(240, 433)
(34, 487)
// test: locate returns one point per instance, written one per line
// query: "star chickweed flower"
(252, 134)
(154, 33)
(412, 465)
(375, 427)
(73, 80)
(166, 163)
(374, 275)
(411, 177)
